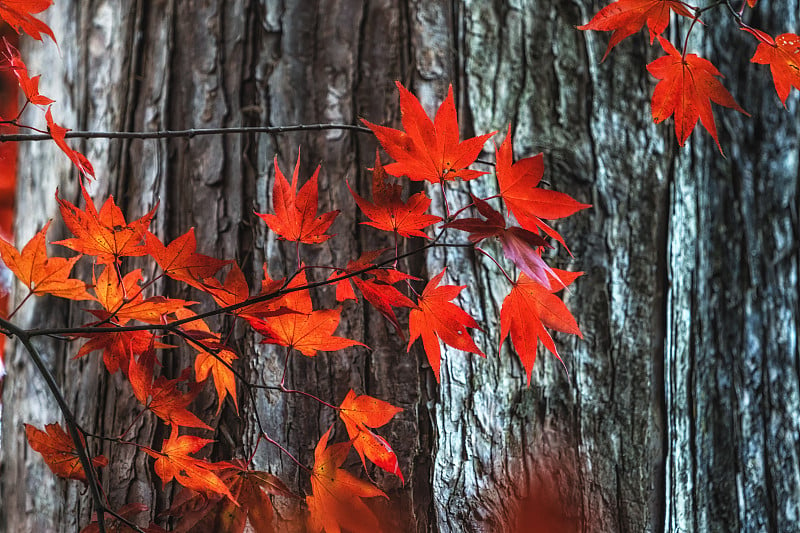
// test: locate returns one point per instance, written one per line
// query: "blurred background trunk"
(680, 413)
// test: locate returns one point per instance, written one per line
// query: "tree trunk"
(678, 413)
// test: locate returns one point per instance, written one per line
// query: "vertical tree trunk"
(678, 414)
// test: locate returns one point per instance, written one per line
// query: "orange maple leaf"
(29, 86)
(105, 235)
(180, 260)
(295, 217)
(688, 86)
(118, 346)
(58, 451)
(42, 274)
(360, 414)
(58, 133)
(336, 499)
(626, 17)
(18, 15)
(212, 512)
(303, 328)
(162, 396)
(528, 309)
(436, 318)
(174, 461)
(205, 362)
(783, 57)
(429, 150)
(389, 212)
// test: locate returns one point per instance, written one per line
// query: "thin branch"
(170, 134)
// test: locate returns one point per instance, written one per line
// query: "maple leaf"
(58, 133)
(29, 86)
(18, 15)
(213, 512)
(687, 88)
(118, 346)
(377, 290)
(162, 396)
(529, 203)
(124, 300)
(58, 451)
(295, 217)
(174, 461)
(105, 235)
(519, 245)
(626, 17)
(389, 212)
(206, 362)
(360, 414)
(336, 500)
(436, 318)
(783, 57)
(180, 260)
(113, 524)
(236, 291)
(429, 150)
(303, 329)
(42, 274)
(528, 310)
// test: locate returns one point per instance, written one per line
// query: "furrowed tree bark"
(678, 413)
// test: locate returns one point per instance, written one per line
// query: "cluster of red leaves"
(688, 83)
(226, 496)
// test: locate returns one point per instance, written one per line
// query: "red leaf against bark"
(162, 396)
(436, 318)
(687, 88)
(118, 346)
(528, 309)
(783, 57)
(174, 461)
(114, 525)
(336, 500)
(42, 274)
(360, 414)
(29, 86)
(626, 17)
(105, 235)
(429, 150)
(529, 203)
(18, 14)
(389, 212)
(180, 261)
(58, 133)
(304, 329)
(198, 512)
(58, 451)
(295, 217)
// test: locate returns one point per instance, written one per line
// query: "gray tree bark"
(680, 412)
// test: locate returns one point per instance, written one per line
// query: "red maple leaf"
(174, 461)
(213, 512)
(18, 14)
(429, 150)
(162, 396)
(362, 413)
(688, 86)
(783, 57)
(303, 329)
(529, 203)
(42, 274)
(436, 318)
(118, 346)
(626, 17)
(29, 86)
(295, 217)
(58, 133)
(180, 260)
(519, 245)
(58, 451)
(528, 310)
(336, 499)
(103, 234)
(389, 212)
